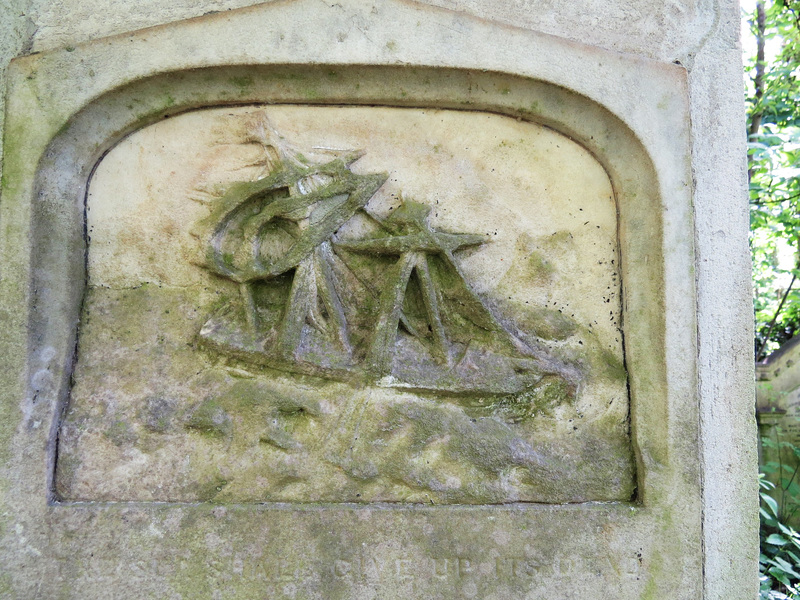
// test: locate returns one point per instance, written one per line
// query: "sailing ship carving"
(330, 289)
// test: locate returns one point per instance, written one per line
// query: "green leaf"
(787, 530)
(787, 568)
(780, 576)
(771, 503)
(777, 540)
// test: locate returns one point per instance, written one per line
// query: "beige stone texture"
(548, 264)
(601, 74)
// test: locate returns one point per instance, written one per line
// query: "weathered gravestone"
(778, 413)
(359, 300)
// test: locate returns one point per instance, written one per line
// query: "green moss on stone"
(211, 419)
(548, 324)
(243, 83)
(208, 491)
(539, 268)
(157, 414)
(121, 434)
(66, 468)
(542, 400)
(612, 365)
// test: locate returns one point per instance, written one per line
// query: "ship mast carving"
(390, 306)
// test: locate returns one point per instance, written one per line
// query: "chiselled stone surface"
(339, 304)
(159, 380)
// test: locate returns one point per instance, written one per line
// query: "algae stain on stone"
(540, 269)
(121, 434)
(545, 323)
(6, 584)
(210, 418)
(67, 469)
(209, 490)
(242, 83)
(157, 414)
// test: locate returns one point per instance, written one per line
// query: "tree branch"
(758, 80)
(765, 339)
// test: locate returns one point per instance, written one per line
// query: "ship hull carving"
(389, 306)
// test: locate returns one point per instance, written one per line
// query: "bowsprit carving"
(329, 288)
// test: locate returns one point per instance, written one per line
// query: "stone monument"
(778, 414)
(375, 300)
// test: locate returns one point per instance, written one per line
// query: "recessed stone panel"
(349, 304)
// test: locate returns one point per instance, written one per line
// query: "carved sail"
(390, 306)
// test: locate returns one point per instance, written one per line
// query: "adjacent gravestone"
(778, 412)
(356, 301)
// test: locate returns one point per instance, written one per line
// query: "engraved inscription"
(365, 569)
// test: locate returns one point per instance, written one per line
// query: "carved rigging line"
(367, 333)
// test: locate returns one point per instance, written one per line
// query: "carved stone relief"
(349, 304)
